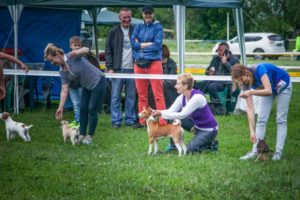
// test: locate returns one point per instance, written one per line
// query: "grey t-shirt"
(127, 61)
(81, 70)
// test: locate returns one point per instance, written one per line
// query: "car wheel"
(259, 57)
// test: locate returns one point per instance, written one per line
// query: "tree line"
(277, 16)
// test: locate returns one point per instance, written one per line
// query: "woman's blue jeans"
(200, 141)
(90, 103)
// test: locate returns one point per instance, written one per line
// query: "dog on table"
(71, 132)
(12, 127)
(157, 131)
(263, 150)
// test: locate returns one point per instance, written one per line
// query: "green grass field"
(116, 165)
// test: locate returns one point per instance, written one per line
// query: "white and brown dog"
(12, 127)
(157, 131)
(71, 132)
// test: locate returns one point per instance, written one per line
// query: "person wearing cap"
(146, 43)
(11, 59)
(268, 82)
(222, 64)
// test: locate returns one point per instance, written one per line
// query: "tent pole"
(15, 12)
(179, 11)
(227, 26)
(16, 102)
(94, 14)
(238, 12)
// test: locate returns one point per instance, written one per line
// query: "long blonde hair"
(237, 71)
(51, 49)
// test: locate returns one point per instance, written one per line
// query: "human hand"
(2, 92)
(245, 94)
(253, 138)
(136, 40)
(24, 67)
(59, 113)
(110, 71)
(224, 59)
(211, 72)
(156, 113)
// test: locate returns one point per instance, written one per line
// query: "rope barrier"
(121, 75)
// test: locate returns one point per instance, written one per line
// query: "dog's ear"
(5, 115)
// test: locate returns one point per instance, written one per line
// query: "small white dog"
(71, 132)
(12, 127)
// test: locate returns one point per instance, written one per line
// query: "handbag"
(143, 63)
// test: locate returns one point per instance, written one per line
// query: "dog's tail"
(28, 127)
(177, 122)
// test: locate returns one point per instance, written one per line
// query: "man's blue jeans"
(130, 96)
(89, 106)
(75, 94)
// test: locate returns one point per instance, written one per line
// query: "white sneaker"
(250, 154)
(277, 155)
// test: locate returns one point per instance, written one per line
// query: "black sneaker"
(137, 125)
(215, 144)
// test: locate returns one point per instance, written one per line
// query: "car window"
(252, 38)
(275, 37)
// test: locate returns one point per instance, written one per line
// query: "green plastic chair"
(227, 98)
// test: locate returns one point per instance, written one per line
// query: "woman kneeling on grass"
(74, 67)
(193, 110)
(268, 81)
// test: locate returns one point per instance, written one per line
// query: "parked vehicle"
(258, 42)
(86, 38)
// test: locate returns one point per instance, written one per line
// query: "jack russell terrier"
(71, 132)
(157, 131)
(12, 127)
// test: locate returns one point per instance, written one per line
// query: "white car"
(258, 42)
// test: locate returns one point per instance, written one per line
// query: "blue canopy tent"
(94, 8)
(36, 30)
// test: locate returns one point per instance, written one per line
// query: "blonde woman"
(193, 110)
(268, 81)
(74, 67)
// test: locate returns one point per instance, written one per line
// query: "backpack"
(93, 60)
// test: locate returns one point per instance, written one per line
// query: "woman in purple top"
(193, 110)
(267, 81)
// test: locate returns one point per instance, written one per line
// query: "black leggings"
(202, 139)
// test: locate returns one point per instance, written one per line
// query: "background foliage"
(278, 16)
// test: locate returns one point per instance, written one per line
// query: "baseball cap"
(148, 8)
